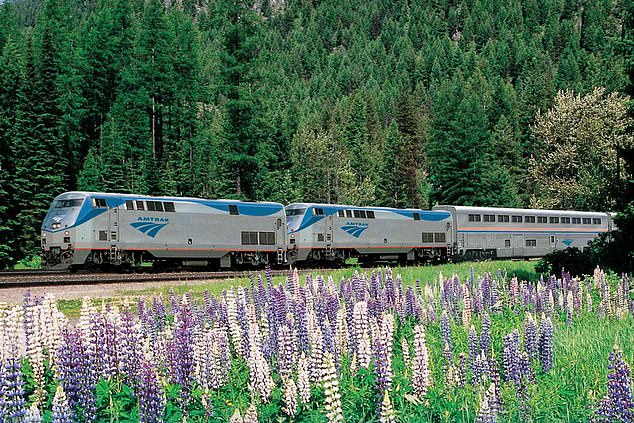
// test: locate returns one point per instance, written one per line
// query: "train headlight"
(43, 235)
(66, 233)
(56, 225)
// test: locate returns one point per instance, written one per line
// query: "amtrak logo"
(148, 226)
(567, 242)
(355, 229)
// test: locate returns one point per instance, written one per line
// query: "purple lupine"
(382, 351)
(511, 357)
(60, 409)
(485, 334)
(474, 346)
(13, 408)
(488, 411)
(128, 341)
(617, 404)
(530, 337)
(445, 329)
(151, 399)
(460, 377)
(546, 343)
(180, 355)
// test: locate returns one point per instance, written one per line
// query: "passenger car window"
(129, 205)
(169, 206)
(140, 205)
(233, 210)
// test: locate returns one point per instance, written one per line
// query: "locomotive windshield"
(295, 212)
(72, 202)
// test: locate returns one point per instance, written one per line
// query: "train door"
(113, 223)
(518, 245)
(280, 239)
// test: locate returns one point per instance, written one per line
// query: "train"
(94, 230)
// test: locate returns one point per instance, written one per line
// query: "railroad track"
(38, 278)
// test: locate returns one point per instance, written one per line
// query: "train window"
(475, 218)
(99, 203)
(587, 221)
(233, 210)
(531, 243)
(489, 218)
(542, 219)
(565, 220)
(341, 213)
(295, 212)
(357, 213)
(249, 238)
(363, 214)
(169, 206)
(140, 205)
(516, 219)
(503, 218)
(507, 243)
(440, 237)
(67, 203)
(129, 205)
(596, 221)
(576, 221)
(428, 237)
(553, 219)
(348, 213)
(416, 216)
(529, 219)
(370, 214)
(155, 206)
(320, 237)
(318, 212)
(267, 238)
(103, 236)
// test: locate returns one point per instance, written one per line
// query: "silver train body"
(84, 229)
(492, 232)
(100, 230)
(334, 233)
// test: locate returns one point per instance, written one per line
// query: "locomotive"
(102, 230)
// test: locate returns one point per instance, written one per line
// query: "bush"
(572, 260)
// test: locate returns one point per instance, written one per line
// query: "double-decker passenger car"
(490, 232)
(333, 233)
(99, 229)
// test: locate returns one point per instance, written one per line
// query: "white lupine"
(363, 346)
(290, 394)
(316, 343)
(33, 414)
(421, 375)
(236, 417)
(406, 355)
(387, 410)
(251, 415)
(332, 397)
(342, 331)
(261, 384)
(235, 331)
(466, 311)
(52, 321)
(35, 351)
(303, 379)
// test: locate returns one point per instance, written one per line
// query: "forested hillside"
(378, 102)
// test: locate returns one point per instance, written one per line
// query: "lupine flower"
(236, 417)
(387, 410)
(251, 415)
(290, 396)
(473, 344)
(466, 311)
(61, 411)
(383, 353)
(33, 415)
(261, 385)
(511, 357)
(181, 354)
(406, 354)
(332, 397)
(303, 383)
(530, 337)
(235, 330)
(421, 374)
(618, 404)
(460, 377)
(569, 308)
(488, 411)
(485, 334)
(445, 330)
(546, 343)
(151, 399)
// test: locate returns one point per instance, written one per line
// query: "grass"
(522, 269)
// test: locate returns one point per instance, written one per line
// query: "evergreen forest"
(376, 102)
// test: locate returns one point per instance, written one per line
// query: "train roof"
(507, 210)
(169, 198)
(345, 206)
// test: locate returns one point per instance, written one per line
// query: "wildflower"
(488, 409)
(332, 397)
(485, 334)
(406, 353)
(383, 353)
(33, 414)
(61, 411)
(387, 410)
(530, 336)
(473, 344)
(303, 384)
(466, 311)
(251, 416)
(618, 404)
(260, 384)
(444, 329)
(151, 399)
(236, 417)
(511, 357)
(421, 374)
(546, 335)
(290, 394)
